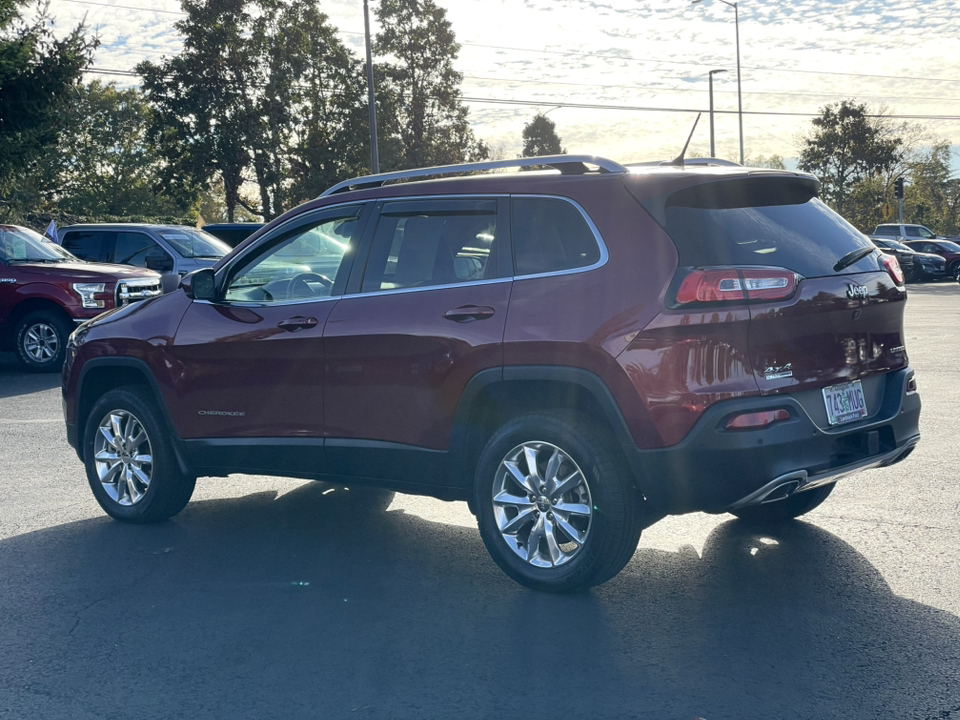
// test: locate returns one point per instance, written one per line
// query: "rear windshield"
(763, 222)
(191, 243)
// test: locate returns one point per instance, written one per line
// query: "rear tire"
(131, 465)
(41, 341)
(787, 509)
(555, 503)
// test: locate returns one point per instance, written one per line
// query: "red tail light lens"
(751, 421)
(705, 285)
(892, 266)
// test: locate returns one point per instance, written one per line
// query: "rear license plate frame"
(845, 403)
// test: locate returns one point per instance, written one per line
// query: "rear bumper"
(716, 470)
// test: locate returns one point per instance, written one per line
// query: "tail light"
(892, 266)
(708, 285)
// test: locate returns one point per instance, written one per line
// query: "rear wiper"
(851, 257)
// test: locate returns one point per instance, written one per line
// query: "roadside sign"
(887, 211)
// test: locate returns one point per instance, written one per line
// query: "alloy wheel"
(542, 504)
(123, 457)
(41, 342)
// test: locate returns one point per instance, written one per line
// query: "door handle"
(297, 323)
(469, 313)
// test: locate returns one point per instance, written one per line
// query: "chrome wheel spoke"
(533, 472)
(568, 484)
(141, 460)
(522, 480)
(553, 547)
(141, 477)
(524, 517)
(553, 467)
(572, 508)
(533, 541)
(563, 521)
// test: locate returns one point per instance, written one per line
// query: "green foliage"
(845, 148)
(102, 165)
(263, 89)
(931, 197)
(425, 120)
(540, 137)
(37, 73)
(774, 162)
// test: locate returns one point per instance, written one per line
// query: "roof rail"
(566, 164)
(686, 161)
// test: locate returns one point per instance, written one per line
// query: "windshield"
(950, 246)
(192, 243)
(19, 244)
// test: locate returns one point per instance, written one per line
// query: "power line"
(600, 106)
(599, 56)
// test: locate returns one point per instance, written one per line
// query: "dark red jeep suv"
(574, 352)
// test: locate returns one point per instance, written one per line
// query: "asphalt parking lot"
(267, 598)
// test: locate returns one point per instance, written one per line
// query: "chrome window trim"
(252, 304)
(604, 254)
(395, 291)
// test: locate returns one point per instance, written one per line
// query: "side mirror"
(159, 261)
(200, 284)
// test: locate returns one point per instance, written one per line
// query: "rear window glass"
(550, 235)
(742, 225)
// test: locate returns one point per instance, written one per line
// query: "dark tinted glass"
(887, 230)
(132, 248)
(86, 244)
(444, 244)
(550, 235)
(808, 237)
(912, 231)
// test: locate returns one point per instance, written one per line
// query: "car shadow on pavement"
(15, 381)
(309, 605)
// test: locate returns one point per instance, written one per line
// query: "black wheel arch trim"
(559, 374)
(144, 369)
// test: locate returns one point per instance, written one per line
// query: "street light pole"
(371, 99)
(736, 20)
(713, 147)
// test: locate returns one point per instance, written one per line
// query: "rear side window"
(551, 235)
(433, 242)
(762, 222)
(887, 230)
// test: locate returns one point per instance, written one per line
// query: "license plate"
(845, 403)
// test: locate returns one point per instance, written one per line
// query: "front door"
(402, 345)
(250, 376)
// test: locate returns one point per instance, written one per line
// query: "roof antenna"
(678, 160)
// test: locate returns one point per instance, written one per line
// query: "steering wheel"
(302, 279)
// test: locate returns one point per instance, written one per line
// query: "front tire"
(781, 511)
(41, 341)
(556, 506)
(130, 462)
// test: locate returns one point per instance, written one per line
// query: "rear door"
(428, 315)
(842, 323)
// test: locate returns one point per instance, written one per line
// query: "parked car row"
(933, 257)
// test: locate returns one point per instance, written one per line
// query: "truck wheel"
(131, 466)
(42, 341)
(787, 509)
(556, 507)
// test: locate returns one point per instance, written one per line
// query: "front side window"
(431, 243)
(193, 243)
(302, 264)
(925, 233)
(131, 248)
(550, 235)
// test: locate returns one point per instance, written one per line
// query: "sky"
(646, 62)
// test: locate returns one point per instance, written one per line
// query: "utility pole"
(713, 148)
(371, 96)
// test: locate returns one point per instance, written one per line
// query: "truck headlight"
(87, 293)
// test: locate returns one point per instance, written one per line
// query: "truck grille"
(133, 289)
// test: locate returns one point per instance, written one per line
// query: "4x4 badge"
(855, 290)
(778, 372)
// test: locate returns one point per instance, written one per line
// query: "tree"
(845, 147)
(263, 90)
(421, 89)
(540, 137)
(102, 165)
(37, 74)
(774, 162)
